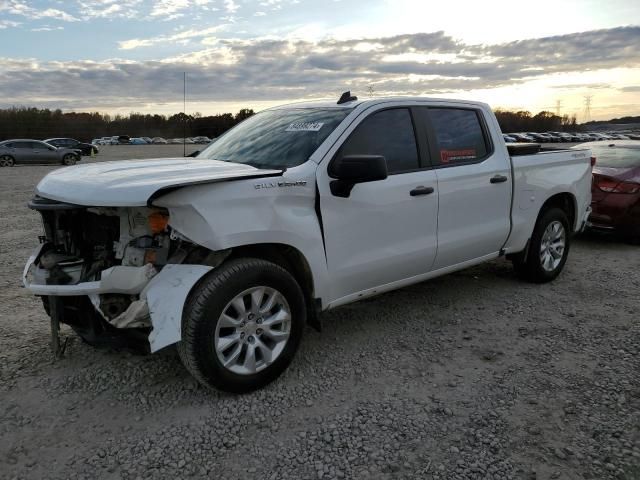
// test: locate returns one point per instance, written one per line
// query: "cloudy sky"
(129, 55)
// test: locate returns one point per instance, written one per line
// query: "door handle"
(499, 179)
(421, 191)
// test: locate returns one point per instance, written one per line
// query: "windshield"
(617, 157)
(276, 138)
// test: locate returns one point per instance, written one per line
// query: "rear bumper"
(617, 212)
(585, 220)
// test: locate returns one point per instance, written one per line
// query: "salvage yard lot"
(472, 375)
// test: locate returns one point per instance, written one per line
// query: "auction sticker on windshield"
(305, 127)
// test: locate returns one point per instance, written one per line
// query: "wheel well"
(289, 258)
(564, 201)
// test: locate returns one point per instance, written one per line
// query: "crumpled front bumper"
(165, 292)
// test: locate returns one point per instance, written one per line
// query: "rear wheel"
(242, 325)
(548, 249)
(7, 161)
(69, 159)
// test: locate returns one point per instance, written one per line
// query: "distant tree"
(29, 122)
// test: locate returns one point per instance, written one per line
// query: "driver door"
(385, 231)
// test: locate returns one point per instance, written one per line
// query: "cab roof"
(325, 103)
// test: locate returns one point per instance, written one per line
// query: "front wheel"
(242, 325)
(7, 161)
(69, 159)
(548, 249)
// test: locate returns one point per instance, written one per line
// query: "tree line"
(23, 122)
(522, 121)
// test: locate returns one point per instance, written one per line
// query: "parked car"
(538, 137)
(522, 138)
(175, 141)
(147, 140)
(137, 141)
(159, 141)
(202, 140)
(616, 187)
(26, 151)
(296, 210)
(123, 139)
(85, 148)
(508, 138)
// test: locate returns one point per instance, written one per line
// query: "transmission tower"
(587, 108)
(558, 107)
(370, 89)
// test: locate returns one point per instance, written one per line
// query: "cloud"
(8, 24)
(180, 37)
(109, 8)
(46, 28)
(633, 88)
(280, 70)
(169, 7)
(21, 8)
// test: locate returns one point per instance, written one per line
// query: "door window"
(388, 133)
(39, 146)
(21, 145)
(459, 135)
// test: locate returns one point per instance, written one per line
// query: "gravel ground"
(475, 375)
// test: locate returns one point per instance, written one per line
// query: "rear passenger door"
(386, 230)
(474, 183)
(23, 152)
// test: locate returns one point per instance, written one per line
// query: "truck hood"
(133, 183)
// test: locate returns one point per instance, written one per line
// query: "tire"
(214, 330)
(545, 259)
(69, 159)
(7, 161)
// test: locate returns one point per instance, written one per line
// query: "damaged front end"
(116, 275)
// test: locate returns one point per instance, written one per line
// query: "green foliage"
(21, 122)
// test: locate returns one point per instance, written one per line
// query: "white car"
(297, 210)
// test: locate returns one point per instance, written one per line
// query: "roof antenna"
(346, 97)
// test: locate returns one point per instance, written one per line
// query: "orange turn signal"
(158, 222)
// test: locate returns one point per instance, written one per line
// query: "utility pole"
(184, 114)
(587, 108)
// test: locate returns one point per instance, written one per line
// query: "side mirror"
(352, 169)
(194, 154)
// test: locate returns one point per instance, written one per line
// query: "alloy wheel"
(253, 330)
(552, 247)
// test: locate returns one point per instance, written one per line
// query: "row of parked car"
(126, 140)
(557, 137)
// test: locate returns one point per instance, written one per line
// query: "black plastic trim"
(39, 203)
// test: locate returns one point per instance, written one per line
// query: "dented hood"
(132, 183)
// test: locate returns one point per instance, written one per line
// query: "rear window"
(459, 135)
(617, 156)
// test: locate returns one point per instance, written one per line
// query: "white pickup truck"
(297, 210)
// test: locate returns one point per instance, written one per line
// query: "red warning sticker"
(448, 156)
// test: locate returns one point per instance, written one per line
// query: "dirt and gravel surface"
(475, 375)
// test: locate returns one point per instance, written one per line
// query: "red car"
(616, 187)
